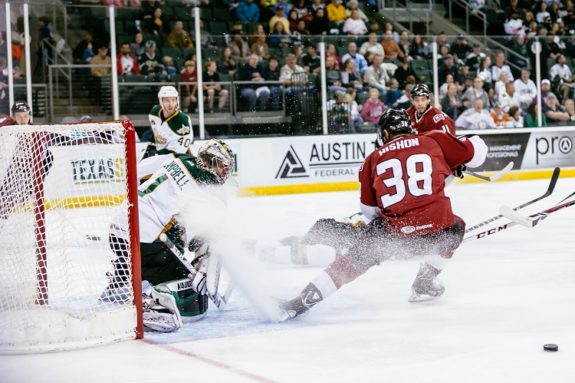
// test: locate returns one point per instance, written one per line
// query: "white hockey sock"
(436, 260)
(324, 284)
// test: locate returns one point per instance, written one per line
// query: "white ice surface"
(505, 297)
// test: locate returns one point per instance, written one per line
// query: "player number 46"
(418, 181)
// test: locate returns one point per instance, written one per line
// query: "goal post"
(62, 189)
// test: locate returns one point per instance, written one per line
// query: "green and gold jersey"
(172, 134)
(163, 196)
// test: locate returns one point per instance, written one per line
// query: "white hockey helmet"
(216, 157)
(168, 91)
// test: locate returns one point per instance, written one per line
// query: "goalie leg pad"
(190, 305)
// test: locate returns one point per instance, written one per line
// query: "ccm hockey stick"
(217, 299)
(550, 188)
(519, 219)
(494, 177)
(534, 219)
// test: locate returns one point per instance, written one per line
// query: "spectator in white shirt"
(372, 45)
(508, 98)
(354, 25)
(525, 88)
(561, 75)
(475, 118)
(375, 76)
(500, 66)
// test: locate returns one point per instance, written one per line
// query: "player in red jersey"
(402, 195)
(425, 117)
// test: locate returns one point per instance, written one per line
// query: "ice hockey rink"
(506, 296)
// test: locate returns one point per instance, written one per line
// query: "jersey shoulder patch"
(180, 124)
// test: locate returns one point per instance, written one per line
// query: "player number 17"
(418, 180)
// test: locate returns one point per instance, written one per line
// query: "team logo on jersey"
(183, 130)
(291, 166)
(407, 229)
(438, 117)
(158, 137)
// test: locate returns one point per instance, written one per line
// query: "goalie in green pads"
(162, 201)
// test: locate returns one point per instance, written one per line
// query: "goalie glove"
(458, 172)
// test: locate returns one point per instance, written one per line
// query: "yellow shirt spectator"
(336, 12)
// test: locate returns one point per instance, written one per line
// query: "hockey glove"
(151, 150)
(458, 172)
(199, 246)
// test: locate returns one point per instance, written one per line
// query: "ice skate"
(426, 286)
(308, 298)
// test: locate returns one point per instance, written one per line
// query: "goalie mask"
(168, 91)
(216, 157)
(395, 122)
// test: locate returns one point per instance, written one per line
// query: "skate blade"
(414, 298)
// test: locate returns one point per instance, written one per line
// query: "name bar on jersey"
(397, 145)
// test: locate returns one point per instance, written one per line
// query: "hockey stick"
(494, 177)
(217, 299)
(519, 219)
(533, 219)
(550, 188)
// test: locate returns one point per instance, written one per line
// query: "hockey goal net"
(61, 189)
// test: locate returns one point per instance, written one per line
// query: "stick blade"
(514, 216)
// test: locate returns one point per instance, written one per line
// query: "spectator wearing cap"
(390, 47)
(562, 77)
(21, 113)
(460, 48)
(358, 59)
(525, 88)
(545, 89)
(151, 62)
(247, 10)
(354, 25)
(554, 112)
(336, 12)
(499, 66)
(475, 118)
(279, 17)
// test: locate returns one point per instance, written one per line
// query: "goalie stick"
(550, 188)
(520, 219)
(494, 177)
(216, 298)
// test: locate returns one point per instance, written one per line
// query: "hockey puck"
(550, 347)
